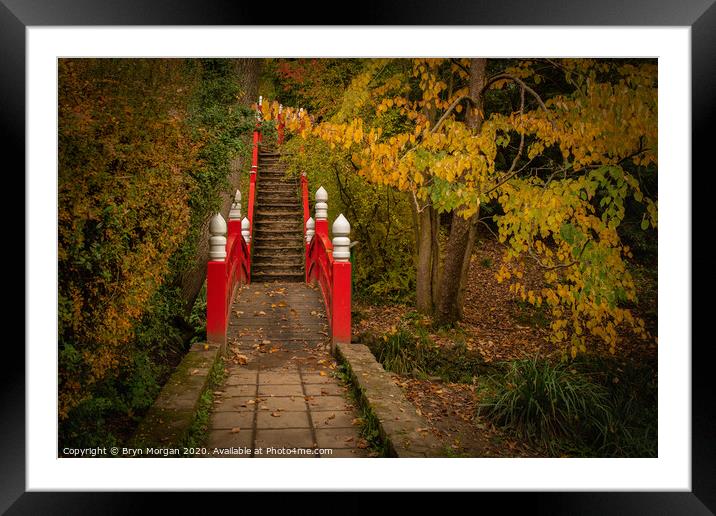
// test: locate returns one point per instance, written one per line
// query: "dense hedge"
(144, 154)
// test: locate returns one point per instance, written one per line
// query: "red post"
(280, 128)
(252, 197)
(304, 198)
(234, 228)
(216, 302)
(252, 179)
(341, 298)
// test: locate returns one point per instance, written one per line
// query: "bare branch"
(519, 81)
(449, 110)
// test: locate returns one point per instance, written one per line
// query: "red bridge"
(278, 241)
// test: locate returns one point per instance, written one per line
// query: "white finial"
(261, 100)
(310, 229)
(321, 204)
(235, 213)
(280, 108)
(217, 240)
(245, 230)
(341, 243)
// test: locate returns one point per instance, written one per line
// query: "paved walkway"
(280, 398)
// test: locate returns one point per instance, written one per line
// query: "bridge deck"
(279, 391)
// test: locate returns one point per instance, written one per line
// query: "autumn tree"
(145, 148)
(550, 146)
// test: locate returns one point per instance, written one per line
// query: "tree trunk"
(458, 250)
(447, 311)
(248, 71)
(424, 281)
(466, 264)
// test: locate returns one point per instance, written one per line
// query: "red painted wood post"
(216, 287)
(310, 232)
(341, 288)
(304, 199)
(280, 124)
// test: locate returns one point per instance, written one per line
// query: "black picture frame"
(700, 15)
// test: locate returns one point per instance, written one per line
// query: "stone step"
(274, 242)
(279, 214)
(273, 204)
(282, 186)
(278, 194)
(276, 267)
(294, 222)
(278, 234)
(277, 276)
(275, 172)
(269, 231)
(282, 266)
(293, 255)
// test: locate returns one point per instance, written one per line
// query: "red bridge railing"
(328, 263)
(230, 253)
(229, 266)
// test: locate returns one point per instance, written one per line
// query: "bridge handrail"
(319, 268)
(328, 265)
(229, 266)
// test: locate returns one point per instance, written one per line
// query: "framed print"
(38, 39)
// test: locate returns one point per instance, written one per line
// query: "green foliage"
(269, 133)
(569, 410)
(197, 318)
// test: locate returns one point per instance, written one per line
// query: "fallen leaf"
(322, 373)
(276, 414)
(235, 430)
(362, 443)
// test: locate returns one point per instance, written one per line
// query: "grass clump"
(570, 409)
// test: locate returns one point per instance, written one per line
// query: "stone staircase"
(278, 245)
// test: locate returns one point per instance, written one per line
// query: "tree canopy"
(555, 160)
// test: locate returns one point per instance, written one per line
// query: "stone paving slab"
(276, 419)
(280, 390)
(334, 419)
(281, 394)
